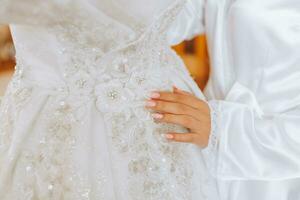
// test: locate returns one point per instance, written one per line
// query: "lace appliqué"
(16, 97)
(157, 168)
(116, 82)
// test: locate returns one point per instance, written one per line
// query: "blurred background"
(194, 54)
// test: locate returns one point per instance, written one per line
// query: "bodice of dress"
(78, 51)
(81, 65)
(253, 88)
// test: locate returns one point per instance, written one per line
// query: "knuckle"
(185, 121)
(167, 118)
(163, 95)
(181, 108)
(160, 105)
(178, 137)
(180, 98)
(170, 96)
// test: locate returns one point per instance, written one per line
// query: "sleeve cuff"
(210, 153)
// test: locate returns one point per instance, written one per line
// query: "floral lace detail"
(115, 79)
(16, 97)
(211, 151)
(10, 106)
(157, 168)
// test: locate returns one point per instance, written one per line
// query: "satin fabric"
(254, 52)
(254, 49)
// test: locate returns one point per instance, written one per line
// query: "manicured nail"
(150, 103)
(157, 116)
(169, 136)
(154, 95)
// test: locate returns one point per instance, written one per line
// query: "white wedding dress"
(73, 123)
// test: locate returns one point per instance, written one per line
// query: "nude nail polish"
(157, 116)
(150, 104)
(154, 95)
(169, 136)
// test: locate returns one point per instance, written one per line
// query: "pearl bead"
(62, 103)
(28, 168)
(113, 95)
(42, 142)
(81, 83)
(50, 187)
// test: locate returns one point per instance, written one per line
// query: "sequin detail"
(113, 75)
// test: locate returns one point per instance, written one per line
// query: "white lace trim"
(211, 151)
(116, 82)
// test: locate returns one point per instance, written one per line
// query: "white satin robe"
(254, 90)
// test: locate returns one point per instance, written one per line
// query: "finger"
(179, 91)
(172, 108)
(165, 107)
(188, 100)
(193, 138)
(182, 137)
(183, 120)
(196, 102)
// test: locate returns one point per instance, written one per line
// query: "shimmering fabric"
(73, 124)
(254, 88)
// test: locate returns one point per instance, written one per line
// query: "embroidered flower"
(113, 97)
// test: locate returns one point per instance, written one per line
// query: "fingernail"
(157, 116)
(150, 104)
(154, 95)
(169, 136)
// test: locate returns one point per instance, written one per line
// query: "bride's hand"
(182, 108)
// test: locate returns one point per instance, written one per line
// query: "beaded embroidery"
(115, 79)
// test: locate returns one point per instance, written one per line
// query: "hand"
(182, 108)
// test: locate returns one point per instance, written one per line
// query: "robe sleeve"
(35, 12)
(248, 143)
(189, 23)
